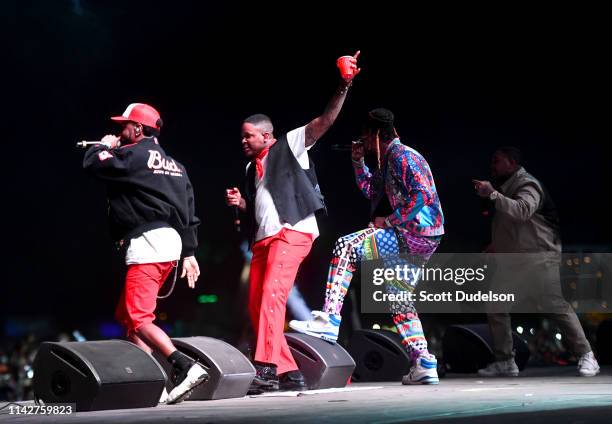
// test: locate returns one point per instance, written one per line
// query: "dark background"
(460, 81)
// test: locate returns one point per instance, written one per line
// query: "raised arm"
(318, 126)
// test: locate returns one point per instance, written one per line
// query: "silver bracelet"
(345, 87)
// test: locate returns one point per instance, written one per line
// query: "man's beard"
(126, 140)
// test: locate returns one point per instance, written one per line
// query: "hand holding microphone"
(234, 199)
(484, 190)
(110, 141)
(357, 150)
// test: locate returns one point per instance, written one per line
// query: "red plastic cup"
(345, 66)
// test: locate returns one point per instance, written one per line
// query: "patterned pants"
(385, 244)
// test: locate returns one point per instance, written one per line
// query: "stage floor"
(541, 395)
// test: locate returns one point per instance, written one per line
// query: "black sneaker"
(292, 381)
(265, 379)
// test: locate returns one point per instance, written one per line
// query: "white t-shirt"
(266, 214)
(158, 245)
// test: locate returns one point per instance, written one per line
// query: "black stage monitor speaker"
(108, 374)
(467, 348)
(231, 373)
(324, 364)
(379, 355)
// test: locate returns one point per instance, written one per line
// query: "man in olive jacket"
(526, 221)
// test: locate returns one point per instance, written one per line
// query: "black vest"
(294, 190)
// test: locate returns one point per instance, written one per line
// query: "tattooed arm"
(318, 126)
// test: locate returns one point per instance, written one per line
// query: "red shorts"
(139, 296)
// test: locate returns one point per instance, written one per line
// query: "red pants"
(275, 263)
(139, 296)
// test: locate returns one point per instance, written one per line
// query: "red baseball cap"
(142, 114)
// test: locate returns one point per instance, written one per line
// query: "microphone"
(85, 144)
(235, 210)
(236, 218)
(341, 147)
(485, 207)
(346, 147)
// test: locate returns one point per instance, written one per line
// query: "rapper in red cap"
(152, 217)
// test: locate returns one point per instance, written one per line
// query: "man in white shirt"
(281, 197)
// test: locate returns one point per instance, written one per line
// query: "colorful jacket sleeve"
(364, 179)
(414, 189)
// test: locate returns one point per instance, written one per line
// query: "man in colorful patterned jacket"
(406, 218)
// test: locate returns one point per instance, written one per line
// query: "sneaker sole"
(590, 374)
(264, 386)
(189, 391)
(423, 380)
(292, 387)
(321, 336)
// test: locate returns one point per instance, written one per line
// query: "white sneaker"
(195, 376)
(322, 325)
(587, 365)
(164, 396)
(424, 371)
(507, 368)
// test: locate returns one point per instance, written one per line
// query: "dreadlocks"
(380, 124)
